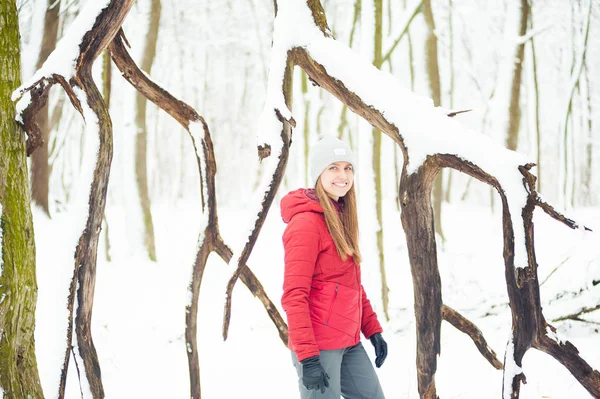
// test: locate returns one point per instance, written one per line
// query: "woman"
(323, 298)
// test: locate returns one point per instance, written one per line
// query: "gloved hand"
(313, 374)
(380, 348)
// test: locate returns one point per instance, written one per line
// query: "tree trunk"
(418, 223)
(377, 61)
(18, 285)
(448, 193)
(40, 171)
(538, 133)
(576, 68)
(589, 145)
(141, 140)
(514, 109)
(106, 90)
(306, 130)
(433, 74)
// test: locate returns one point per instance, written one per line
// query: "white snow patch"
(22, 105)
(511, 369)
(196, 130)
(269, 126)
(555, 336)
(63, 60)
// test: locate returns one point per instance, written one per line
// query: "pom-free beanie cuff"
(327, 150)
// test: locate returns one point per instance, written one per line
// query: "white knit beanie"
(327, 150)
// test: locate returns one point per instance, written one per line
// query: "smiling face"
(337, 179)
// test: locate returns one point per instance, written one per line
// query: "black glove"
(313, 374)
(380, 348)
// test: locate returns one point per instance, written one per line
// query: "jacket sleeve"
(301, 241)
(369, 324)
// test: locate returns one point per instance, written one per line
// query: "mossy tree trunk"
(141, 139)
(18, 286)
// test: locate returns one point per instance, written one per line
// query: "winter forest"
(145, 146)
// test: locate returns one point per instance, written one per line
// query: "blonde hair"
(343, 225)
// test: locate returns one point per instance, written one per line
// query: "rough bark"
(40, 170)
(418, 223)
(18, 285)
(141, 138)
(86, 253)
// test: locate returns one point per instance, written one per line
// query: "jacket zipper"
(332, 302)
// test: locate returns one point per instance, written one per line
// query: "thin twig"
(575, 316)
(557, 215)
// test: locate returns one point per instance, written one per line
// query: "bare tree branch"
(576, 316)
(464, 325)
(557, 215)
(210, 237)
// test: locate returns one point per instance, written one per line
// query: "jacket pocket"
(332, 303)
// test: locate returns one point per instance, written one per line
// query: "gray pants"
(351, 375)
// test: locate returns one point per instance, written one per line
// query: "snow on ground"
(138, 320)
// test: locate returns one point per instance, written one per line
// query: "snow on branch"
(63, 60)
(512, 371)
(424, 129)
(273, 141)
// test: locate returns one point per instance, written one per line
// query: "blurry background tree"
(40, 171)
(141, 140)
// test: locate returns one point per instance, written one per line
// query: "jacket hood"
(298, 201)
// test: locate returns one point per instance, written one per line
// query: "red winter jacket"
(323, 298)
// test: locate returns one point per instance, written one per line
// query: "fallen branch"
(557, 215)
(466, 326)
(575, 316)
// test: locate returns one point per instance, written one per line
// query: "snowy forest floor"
(139, 310)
